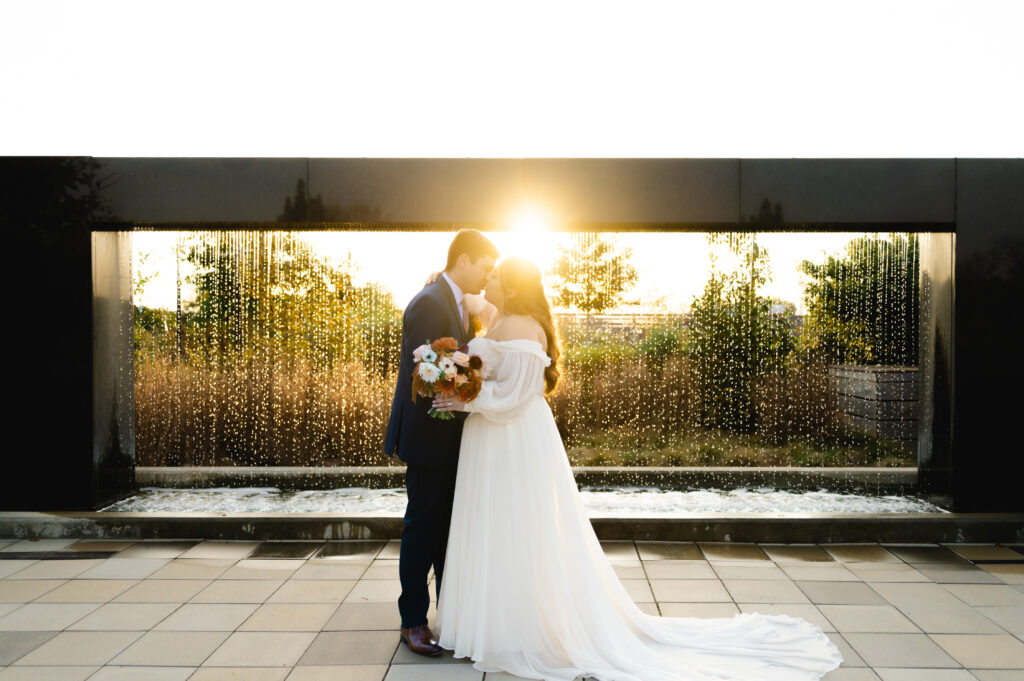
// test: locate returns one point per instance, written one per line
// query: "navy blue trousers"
(428, 516)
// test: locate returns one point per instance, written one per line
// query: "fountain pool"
(599, 501)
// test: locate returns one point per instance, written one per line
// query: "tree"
(734, 337)
(592, 276)
(863, 308)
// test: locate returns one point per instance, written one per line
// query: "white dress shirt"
(459, 295)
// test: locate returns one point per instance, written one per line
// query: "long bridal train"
(527, 589)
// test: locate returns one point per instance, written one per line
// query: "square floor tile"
(87, 591)
(221, 549)
(1010, 618)
(123, 616)
(886, 572)
(796, 553)
(289, 617)
(11, 567)
(100, 545)
(351, 647)
(620, 550)
(627, 570)
(42, 673)
(15, 644)
(241, 674)
(908, 594)
(349, 672)
(986, 594)
(749, 570)
(996, 674)
(1009, 573)
(463, 671)
(358, 551)
(869, 618)
(850, 656)
(899, 650)
(157, 549)
(286, 549)
(994, 651)
(238, 591)
(829, 572)
(764, 591)
(956, 573)
(45, 616)
(148, 673)
(924, 674)
(172, 648)
(80, 648)
(163, 591)
(860, 553)
(689, 591)
(983, 552)
(949, 619)
(55, 569)
(194, 568)
(261, 649)
(851, 674)
(336, 570)
(208, 617)
(924, 553)
(727, 551)
(38, 545)
(638, 589)
(365, 616)
(249, 568)
(679, 569)
(668, 550)
(841, 593)
(804, 611)
(374, 590)
(320, 591)
(392, 549)
(124, 568)
(702, 610)
(25, 590)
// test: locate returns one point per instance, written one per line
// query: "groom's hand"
(448, 404)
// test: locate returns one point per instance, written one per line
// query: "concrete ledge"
(877, 480)
(751, 527)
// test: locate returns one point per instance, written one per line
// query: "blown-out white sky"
(533, 78)
(672, 267)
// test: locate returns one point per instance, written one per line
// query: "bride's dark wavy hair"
(523, 276)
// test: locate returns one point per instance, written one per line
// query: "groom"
(430, 446)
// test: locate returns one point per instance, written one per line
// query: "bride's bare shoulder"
(518, 327)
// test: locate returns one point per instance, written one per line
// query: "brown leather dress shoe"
(421, 640)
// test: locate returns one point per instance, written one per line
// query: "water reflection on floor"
(600, 501)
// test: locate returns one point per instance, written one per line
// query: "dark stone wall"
(61, 413)
(988, 374)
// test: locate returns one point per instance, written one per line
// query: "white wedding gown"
(526, 587)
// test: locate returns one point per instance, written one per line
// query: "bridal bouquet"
(443, 368)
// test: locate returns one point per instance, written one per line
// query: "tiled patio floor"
(305, 611)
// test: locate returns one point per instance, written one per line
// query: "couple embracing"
(522, 583)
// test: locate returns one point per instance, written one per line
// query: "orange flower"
(446, 344)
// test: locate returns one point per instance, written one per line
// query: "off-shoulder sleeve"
(501, 401)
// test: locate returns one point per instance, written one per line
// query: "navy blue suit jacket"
(413, 435)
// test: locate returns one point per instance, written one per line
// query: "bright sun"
(529, 220)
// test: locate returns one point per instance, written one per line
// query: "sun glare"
(529, 220)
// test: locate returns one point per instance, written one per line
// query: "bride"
(527, 588)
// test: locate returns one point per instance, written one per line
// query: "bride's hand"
(448, 404)
(432, 277)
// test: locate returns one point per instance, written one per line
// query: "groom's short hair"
(471, 242)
